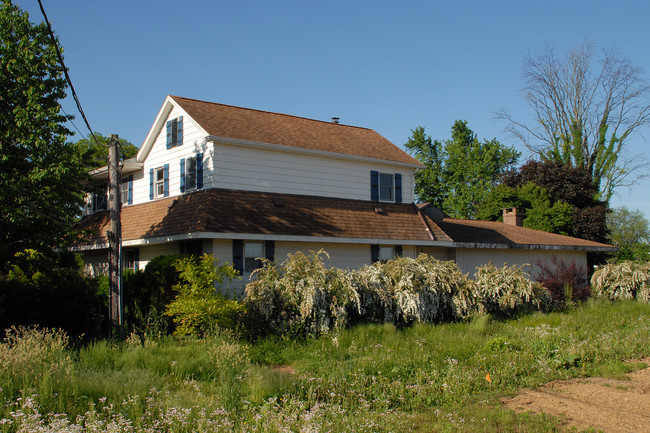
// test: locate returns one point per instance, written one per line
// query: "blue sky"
(386, 65)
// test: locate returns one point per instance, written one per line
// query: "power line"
(65, 71)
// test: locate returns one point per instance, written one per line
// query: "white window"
(160, 182)
(130, 258)
(386, 253)
(190, 173)
(253, 253)
(386, 187)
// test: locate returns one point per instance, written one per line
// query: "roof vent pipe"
(336, 120)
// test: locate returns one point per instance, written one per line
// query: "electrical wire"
(65, 71)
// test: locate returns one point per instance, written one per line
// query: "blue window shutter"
(374, 185)
(169, 134)
(374, 253)
(130, 196)
(238, 255)
(199, 170)
(166, 180)
(398, 188)
(398, 251)
(151, 184)
(182, 174)
(179, 131)
(269, 250)
(137, 258)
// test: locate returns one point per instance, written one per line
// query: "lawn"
(369, 378)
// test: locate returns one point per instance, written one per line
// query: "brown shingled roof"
(221, 120)
(496, 232)
(250, 212)
(231, 211)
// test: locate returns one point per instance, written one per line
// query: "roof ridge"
(270, 112)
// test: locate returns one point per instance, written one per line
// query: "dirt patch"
(604, 404)
(287, 369)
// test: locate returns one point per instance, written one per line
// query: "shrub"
(300, 297)
(406, 290)
(626, 280)
(565, 282)
(50, 290)
(198, 308)
(146, 294)
(507, 291)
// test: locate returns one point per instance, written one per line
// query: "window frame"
(381, 253)
(130, 259)
(382, 187)
(255, 259)
(159, 183)
(191, 176)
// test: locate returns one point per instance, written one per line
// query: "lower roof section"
(224, 213)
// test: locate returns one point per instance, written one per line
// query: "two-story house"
(243, 184)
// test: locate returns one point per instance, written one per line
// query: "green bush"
(406, 290)
(199, 308)
(300, 297)
(50, 290)
(507, 291)
(147, 293)
(626, 280)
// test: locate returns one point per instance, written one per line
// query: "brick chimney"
(513, 217)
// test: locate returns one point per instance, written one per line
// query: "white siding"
(244, 168)
(343, 256)
(238, 167)
(149, 252)
(468, 259)
(193, 143)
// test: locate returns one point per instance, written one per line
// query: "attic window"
(175, 132)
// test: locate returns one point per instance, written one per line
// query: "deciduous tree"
(94, 150)
(586, 111)
(461, 171)
(40, 194)
(630, 231)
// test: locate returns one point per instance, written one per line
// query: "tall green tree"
(93, 151)
(586, 110)
(629, 230)
(460, 171)
(429, 183)
(40, 173)
(539, 212)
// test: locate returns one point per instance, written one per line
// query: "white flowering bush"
(626, 280)
(507, 290)
(300, 296)
(406, 290)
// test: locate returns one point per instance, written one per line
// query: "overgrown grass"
(368, 378)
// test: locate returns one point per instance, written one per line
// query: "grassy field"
(428, 378)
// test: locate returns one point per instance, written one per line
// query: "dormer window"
(175, 132)
(385, 187)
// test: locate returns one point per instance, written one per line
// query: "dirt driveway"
(603, 404)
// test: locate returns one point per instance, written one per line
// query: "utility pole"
(115, 237)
